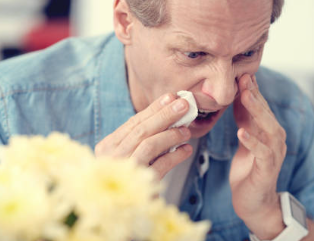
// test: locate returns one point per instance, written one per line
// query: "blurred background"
(30, 25)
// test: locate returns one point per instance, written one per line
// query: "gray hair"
(153, 13)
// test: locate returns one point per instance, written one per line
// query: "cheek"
(161, 77)
(174, 77)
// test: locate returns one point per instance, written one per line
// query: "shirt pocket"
(45, 109)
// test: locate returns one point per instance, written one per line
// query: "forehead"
(223, 25)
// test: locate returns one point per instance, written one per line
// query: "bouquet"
(55, 189)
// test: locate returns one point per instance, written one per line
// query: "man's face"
(205, 48)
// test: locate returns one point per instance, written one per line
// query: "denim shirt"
(79, 87)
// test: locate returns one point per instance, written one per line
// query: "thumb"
(242, 116)
(240, 113)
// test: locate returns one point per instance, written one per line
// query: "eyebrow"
(263, 39)
(192, 43)
(188, 40)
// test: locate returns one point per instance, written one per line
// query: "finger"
(264, 156)
(153, 125)
(151, 110)
(262, 117)
(152, 147)
(260, 97)
(114, 139)
(248, 82)
(168, 161)
(269, 125)
(242, 116)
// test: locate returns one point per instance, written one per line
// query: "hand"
(257, 163)
(146, 137)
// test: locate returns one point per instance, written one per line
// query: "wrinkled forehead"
(235, 10)
(225, 22)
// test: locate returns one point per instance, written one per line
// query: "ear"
(123, 21)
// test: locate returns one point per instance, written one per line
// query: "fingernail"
(187, 148)
(165, 100)
(250, 85)
(178, 106)
(184, 131)
(246, 135)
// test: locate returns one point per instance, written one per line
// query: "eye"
(249, 53)
(194, 55)
(190, 58)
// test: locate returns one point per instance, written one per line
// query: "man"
(251, 141)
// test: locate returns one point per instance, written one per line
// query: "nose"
(220, 84)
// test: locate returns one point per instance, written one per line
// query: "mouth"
(205, 118)
(204, 115)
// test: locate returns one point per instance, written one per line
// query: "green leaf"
(71, 219)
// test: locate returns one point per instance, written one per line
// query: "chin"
(198, 133)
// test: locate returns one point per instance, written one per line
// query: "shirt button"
(201, 159)
(193, 200)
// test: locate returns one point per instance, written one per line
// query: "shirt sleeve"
(302, 185)
(4, 120)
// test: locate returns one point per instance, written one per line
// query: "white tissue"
(190, 116)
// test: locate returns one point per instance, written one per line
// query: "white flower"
(107, 183)
(55, 189)
(170, 225)
(44, 156)
(24, 205)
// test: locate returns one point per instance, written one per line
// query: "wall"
(290, 48)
